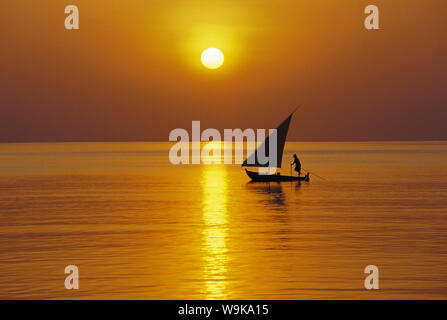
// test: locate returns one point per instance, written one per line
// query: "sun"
(212, 58)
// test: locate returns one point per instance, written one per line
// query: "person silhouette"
(297, 164)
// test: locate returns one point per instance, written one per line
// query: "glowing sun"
(212, 58)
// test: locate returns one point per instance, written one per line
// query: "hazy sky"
(133, 72)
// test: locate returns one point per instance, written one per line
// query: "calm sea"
(138, 227)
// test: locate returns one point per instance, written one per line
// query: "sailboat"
(281, 137)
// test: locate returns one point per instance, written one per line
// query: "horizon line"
(164, 141)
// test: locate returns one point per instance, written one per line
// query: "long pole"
(314, 174)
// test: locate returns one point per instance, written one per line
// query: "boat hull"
(254, 176)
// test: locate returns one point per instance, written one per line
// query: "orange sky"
(133, 72)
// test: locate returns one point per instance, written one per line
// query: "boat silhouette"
(253, 161)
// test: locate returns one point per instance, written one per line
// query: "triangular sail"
(281, 136)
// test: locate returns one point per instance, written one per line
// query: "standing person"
(297, 164)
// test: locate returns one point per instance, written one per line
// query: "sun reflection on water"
(214, 208)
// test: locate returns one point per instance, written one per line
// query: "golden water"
(139, 227)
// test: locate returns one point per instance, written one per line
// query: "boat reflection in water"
(214, 209)
(272, 194)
